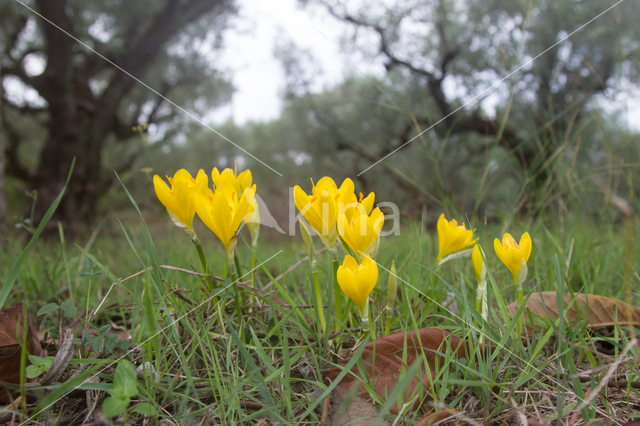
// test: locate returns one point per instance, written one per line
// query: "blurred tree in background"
(441, 55)
(547, 135)
(74, 103)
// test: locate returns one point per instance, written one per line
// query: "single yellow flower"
(357, 281)
(240, 182)
(452, 237)
(478, 263)
(513, 254)
(360, 231)
(178, 199)
(223, 213)
(322, 207)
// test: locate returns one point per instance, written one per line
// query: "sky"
(259, 78)
(258, 75)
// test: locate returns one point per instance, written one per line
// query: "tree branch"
(174, 16)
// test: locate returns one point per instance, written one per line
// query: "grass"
(201, 368)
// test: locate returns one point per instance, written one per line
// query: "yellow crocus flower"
(513, 254)
(360, 231)
(478, 263)
(224, 211)
(358, 280)
(452, 237)
(239, 182)
(481, 274)
(321, 208)
(178, 199)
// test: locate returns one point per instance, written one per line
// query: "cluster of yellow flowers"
(455, 241)
(336, 215)
(336, 212)
(222, 208)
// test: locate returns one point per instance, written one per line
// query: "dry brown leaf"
(599, 311)
(11, 336)
(389, 363)
(434, 418)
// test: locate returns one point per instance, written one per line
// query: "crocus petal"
(368, 202)
(245, 179)
(526, 245)
(164, 194)
(222, 218)
(182, 175)
(202, 181)
(350, 263)
(184, 201)
(500, 251)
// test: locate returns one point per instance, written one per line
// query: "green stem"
(337, 291)
(201, 255)
(316, 282)
(238, 275)
(234, 280)
(520, 296)
(387, 327)
(253, 276)
(366, 322)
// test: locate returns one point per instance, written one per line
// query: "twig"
(187, 271)
(61, 361)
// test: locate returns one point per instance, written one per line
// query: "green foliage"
(125, 387)
(38, 366)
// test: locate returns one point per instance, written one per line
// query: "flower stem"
(388, 313)
(253, 276)
(337, 291)
(366, 322)
(238, 275)
(520, 296)
(316, 282)
(234, 279)
(481, 304)
(203, 259)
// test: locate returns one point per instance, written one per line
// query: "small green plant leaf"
(125, 379)
(33, 371)
(38, 360)
(89, 264)
(84, 274)
(104, 330)
(46, 309)
(96, 274)
(38, 366)
(97, 343)
(53, 332)
(115, 405)
(69, 308)
(110, 343)
(146, 409)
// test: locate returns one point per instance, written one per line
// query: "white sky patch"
(257, 75)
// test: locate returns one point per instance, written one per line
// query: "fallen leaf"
(434, 418)
(11, 336)
(599, 311)
(389, 361)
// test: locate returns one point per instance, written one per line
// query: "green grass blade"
(13, 274)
